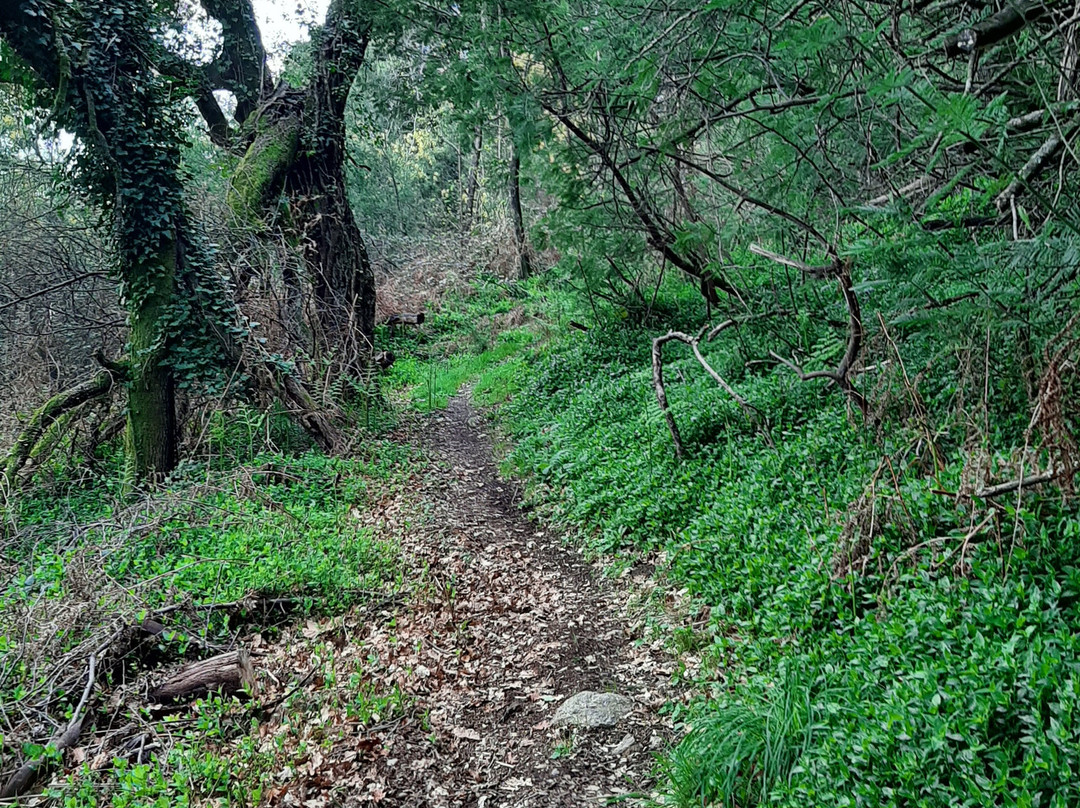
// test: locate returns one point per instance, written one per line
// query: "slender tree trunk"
(521, 242)
(473, 188)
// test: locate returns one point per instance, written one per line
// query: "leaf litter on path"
(504, 624)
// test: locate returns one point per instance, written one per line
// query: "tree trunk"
(299, 147)
(150, 440)
(119, 107)
(341, 274)
(521, 241)
(337, 259)
(473, 186)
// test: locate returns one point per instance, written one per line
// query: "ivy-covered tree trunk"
(296, 145)
(151, 438)
(91, 63)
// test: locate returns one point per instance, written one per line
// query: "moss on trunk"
(262, 168)
(150, 440)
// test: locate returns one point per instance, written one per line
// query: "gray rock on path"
(589, 710)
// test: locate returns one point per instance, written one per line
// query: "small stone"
(624, 745)
(589, 710)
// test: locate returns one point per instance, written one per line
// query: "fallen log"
(226, 673)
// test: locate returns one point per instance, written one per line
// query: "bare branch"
(1010, 20)
(841, 374)
(1013, 485)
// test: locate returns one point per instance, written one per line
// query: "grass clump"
(736, 754)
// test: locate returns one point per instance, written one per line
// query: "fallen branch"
(64, 402)
(661, 395)
(228, 673)
(252, 603)
(1013, 485)
(813, 271)
(28, 773)
(1035, 165)
(283, 384)
(920, 184)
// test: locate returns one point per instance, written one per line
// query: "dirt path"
(509, 623)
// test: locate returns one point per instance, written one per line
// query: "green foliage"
(470, 338)
(288, 530)
(433, 382)
(919, 683)
(735, 755)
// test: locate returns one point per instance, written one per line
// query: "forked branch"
(841, 374)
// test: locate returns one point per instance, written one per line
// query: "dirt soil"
(504, 624)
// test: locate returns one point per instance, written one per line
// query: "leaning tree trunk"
(299, 146)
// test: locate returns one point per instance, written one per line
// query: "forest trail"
(508, 623)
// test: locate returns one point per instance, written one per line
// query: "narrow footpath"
(507, 625)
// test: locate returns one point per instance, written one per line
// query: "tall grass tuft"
(737, 754)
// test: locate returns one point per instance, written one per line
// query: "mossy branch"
(263, 167)
(66, 401)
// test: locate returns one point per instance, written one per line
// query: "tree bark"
(151, 439)
(1009, 21)
(297, 145)
(228, 673)
(521, 241)
(121, 116)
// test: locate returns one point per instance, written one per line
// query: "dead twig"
(28, 773)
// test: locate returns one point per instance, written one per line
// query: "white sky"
(284, 24)
(281, 24)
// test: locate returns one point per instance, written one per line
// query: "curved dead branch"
(751, 412)
(840, 376)
(60, 405)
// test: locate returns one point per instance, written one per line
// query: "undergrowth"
(241, 541)
(875, 638)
